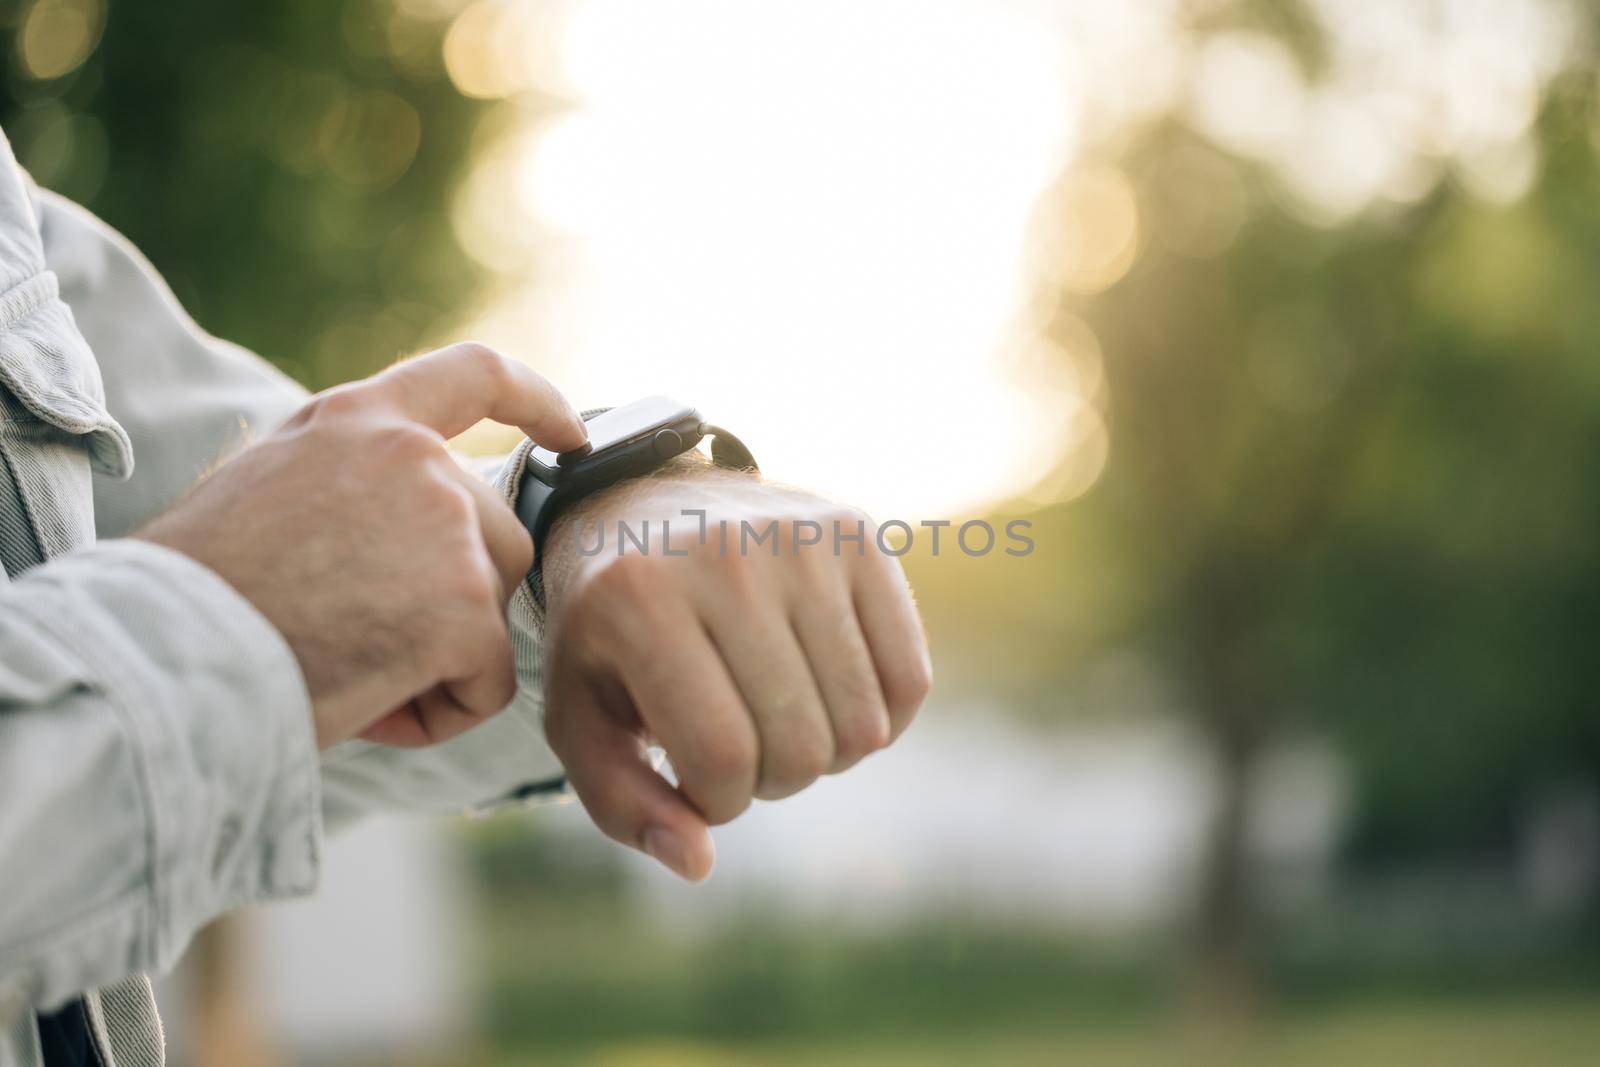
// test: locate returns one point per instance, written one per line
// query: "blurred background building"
(1275, 318)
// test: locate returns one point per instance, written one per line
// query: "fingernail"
(666, 848)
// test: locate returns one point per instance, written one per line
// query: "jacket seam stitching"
(26, 297)
(30, 510)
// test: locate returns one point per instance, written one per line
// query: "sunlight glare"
(810, 220)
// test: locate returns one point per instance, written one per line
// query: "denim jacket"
(157, 760)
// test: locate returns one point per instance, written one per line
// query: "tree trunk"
(1223, 988)
(1224, 980)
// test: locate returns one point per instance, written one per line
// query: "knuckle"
(799, 760)
(503, 688)
(631, 579)
(850, 528)
(728, 756)
(475, 581)
(341, 401)
(559, 729)
(790, 538)
(451, 501)
(735, 574)
(573, 619)
(521, 560)
(813, 752)
(817, 561)
(847, 517)
(464, 579)
(862, 735)
(454, 647)
(584, 630)
(875, 541)
(908, 685)
(721, 808)
(813, 761)
(405, 442)
(488, 363)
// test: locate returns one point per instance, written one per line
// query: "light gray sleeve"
(186, 400)
(157, 765)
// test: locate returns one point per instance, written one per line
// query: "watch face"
(611, 433)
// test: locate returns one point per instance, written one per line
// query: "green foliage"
(1368, 457)
(288, 165)
(1354, 490)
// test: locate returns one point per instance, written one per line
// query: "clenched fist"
(385, 566)
(757, 669)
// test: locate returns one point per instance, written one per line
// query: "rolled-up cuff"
(221, 722)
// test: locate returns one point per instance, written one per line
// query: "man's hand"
(757, 671)
(385, 566)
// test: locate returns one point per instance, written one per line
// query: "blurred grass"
(598, 971)
(595, 981)
(577, 969)
(1550, 1030)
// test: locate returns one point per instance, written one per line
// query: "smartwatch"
(624, 442)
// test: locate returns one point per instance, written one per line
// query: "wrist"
(679, 496)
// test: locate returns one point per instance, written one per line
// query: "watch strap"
(538, 502)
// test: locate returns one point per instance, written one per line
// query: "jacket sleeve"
(186, 400)
(133, 809)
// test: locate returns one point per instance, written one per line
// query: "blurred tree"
(287, 164)
(1353, 489)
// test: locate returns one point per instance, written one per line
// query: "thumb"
(609, 767)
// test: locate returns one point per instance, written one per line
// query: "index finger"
(451, 389)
